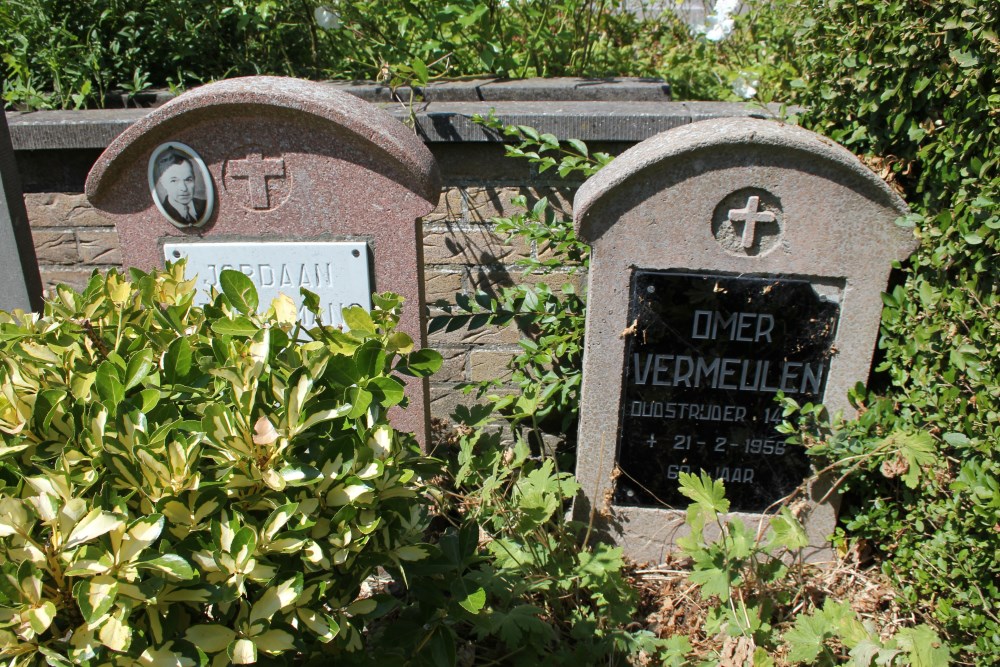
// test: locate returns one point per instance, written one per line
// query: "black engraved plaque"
(704, 358)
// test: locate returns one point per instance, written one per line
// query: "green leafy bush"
(59, 53)
(508, 579)
(913, 85)
(63, 54)
(177, 481)
(753, 60)
(759, 586)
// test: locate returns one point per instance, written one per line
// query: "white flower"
(720, 30)
(726, 7)
(326, 18)
(719, 24)
(745, 85)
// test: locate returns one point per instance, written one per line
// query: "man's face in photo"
(178, 182)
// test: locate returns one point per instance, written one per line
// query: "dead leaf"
(737, 652)
(894, 467)
(264, 432)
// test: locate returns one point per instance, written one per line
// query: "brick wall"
(464, 253)
(71, 238)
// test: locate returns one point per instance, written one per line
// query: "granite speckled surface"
(679, 201)
(348, 171)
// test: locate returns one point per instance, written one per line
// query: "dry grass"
(672, 605)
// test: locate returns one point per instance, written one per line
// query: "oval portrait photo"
(181, 185)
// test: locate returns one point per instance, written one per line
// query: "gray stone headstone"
(292, 182)
(20, 284)
(732, 260)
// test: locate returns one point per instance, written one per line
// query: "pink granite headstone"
(260, 163)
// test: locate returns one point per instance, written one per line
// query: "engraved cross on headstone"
(257, 170)
(750, 216)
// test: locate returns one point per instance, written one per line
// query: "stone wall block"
(449, 208)
(560, 199)
(99, 247)
(445, 398)
(486, 203)
(491, 335)
(470, 245)
(490, 365)
(60, 209)
(441, 285)
(55, 247)
(74, 278)
(452, 366)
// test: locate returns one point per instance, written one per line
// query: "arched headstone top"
(297, 185)
(742, 140)
(348, 113)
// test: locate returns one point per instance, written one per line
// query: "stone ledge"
(593, 89)
(607, 89)
(436, 122)
(59, 130)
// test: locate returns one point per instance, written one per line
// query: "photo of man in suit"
(175, 185)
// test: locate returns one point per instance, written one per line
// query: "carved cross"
(750, 216)
(257, 170)
(652, 440)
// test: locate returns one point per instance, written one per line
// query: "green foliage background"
(62, 53)
(914, 85)
(67, 54)
(911, 85)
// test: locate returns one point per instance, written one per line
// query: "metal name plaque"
(338, 271)
(706, 355)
